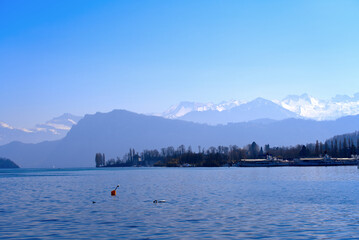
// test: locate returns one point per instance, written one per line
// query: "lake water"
(213, 203)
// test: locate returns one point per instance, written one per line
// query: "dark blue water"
(218, 203)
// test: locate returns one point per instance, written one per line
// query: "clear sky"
(88, 56)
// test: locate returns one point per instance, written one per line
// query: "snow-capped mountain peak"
(5, 125)
(53, 129)
(183, 108)
(304, 105)
(8, 126)
(228, 105)
(313, 108)
(63, 122)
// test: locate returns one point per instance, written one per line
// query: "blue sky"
(88, 56)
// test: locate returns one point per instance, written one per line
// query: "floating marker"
(113, 192)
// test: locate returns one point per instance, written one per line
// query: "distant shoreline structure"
(325, 161)
(301, 162)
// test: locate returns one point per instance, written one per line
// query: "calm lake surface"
(214, 203)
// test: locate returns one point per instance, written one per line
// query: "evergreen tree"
(340, 149)
(345, 148)
(253, 150)
(98, 160)
(189, 149)
(349, 143)
(353, 150)
(303, 152)
(326, 148)
(321, 148)
(266, 148)
(316, 148)
(335, 149)
(261, 153)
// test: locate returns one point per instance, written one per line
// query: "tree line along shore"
(332, 152)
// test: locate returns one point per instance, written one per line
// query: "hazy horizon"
(84, 57)
(32, 124)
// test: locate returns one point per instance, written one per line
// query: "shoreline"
(304, 162)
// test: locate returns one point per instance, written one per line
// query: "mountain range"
(298, 106)
(114, 133)
(53, 129)
(257, 109)
(234, 111)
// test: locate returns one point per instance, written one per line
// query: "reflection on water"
(287, 203)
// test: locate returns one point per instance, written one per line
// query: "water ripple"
(221, 203)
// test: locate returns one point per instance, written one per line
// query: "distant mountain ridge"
(259, 108)
(301, 106)
(313, 108)
(181, 109)
(114, 133)
(234, 111)
(53, 129)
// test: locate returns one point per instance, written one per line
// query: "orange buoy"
(113, 192)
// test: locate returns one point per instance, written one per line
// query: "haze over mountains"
(114, 133)
(53, 129)
(293, 106)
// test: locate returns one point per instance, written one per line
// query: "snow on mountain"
(59, 124)
(259, 108)
(183, 108)
(313, 108)
(304, 105)
(53, 129)
(9, 127)
(5, 125)
(228, 105)
(228, 111)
